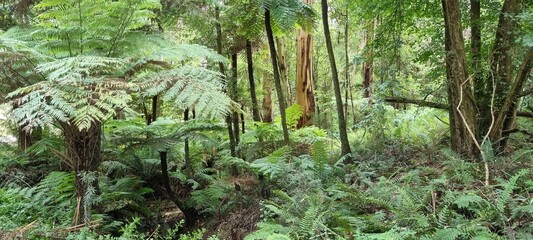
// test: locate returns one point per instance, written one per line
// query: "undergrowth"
(420, 190)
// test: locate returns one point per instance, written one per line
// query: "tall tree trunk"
(277, 80)
(249, 59)
(368, 64)
(460, 95)
(233, 95)
(475, 38)
(345, 145)
(482, 89)
(267, 98)
(501, 71)
(283, 70)
(83, 151)
(305, 93)
(222, 69)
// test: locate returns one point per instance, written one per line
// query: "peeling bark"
(305, 93)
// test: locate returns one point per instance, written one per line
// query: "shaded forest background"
(266, 119)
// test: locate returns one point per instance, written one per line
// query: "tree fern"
(188, 86)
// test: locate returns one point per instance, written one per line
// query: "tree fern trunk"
(345, 145)
(277, 80)
(83, 151)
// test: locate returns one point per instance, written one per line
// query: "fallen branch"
(516, 130)
(429, 104)
(421, 103)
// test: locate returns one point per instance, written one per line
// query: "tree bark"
(83, 150)
(283, 70)
(277, 80)
(475, 39)
(345, 145)
(460, 96)
(500, 75)
(267, 98)
(501, 62)
(249, 58)
(368, 64)
(305, 93)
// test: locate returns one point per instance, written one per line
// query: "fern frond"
(188, 86)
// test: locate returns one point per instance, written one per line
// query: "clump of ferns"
(503, 211)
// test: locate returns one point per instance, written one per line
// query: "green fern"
(273, 165)
(212, 199)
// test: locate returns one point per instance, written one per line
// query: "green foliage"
(212, 199)
(293, 114)
(50, 202)
(123, 194)
(400, 208)
(131, 231)
(288, 14)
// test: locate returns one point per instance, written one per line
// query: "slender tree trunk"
(346, 69)
(277, 80)
(345, 145)
(233, 95)
(368, 64)
(283, 70)
(267, 98)
(221, 67)
(249, 59)
(243, 124)
(305, 92)
(165, 180)
(154, 108)
(83, 151)
(461, 99)
(190, 213)
(188, 165)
